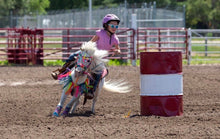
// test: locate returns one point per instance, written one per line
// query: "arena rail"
(205, 44)
(162, 39)
(59, 43)
(33, 46)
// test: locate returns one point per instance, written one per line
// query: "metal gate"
(162, 39)
(24, 46)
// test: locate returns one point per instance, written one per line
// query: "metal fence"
(204, 44)
(148, 14)
(24, 45)
(162, 39)
(33, 46)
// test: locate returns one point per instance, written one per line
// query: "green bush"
(53, 63)
(4, 62)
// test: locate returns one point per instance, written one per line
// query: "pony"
(76, 81)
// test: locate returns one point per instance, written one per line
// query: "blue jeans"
(72, 56)
(95, 82)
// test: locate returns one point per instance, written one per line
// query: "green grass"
(52, 45)
(201, 62)
(110, 63)
(53, 62)
(202, 48)
(4, 62)
(195, 61)
(118, 62)
(206, 57)
(53, 39)
(200, 58)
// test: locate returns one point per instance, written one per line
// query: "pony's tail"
(119, 86)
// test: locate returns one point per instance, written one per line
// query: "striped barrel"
(161, 83)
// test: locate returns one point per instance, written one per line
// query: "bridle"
(83, 62)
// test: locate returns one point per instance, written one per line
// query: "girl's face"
(113, 26)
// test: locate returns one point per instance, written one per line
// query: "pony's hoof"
(57, 111)
(66, 112)
(55, 114)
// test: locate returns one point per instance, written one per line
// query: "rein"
(83, 67)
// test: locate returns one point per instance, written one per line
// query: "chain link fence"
(152, 16)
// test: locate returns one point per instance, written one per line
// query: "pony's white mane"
(98, 64)
(98, 56)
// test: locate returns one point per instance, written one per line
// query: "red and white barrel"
(161, 83)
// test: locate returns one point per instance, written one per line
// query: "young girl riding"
(106, 39)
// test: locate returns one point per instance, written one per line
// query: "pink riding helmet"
(110, 17)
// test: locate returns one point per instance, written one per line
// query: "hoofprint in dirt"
(28, 96)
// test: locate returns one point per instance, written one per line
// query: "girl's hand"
(116, 51)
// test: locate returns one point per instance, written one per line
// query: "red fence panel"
(33, 46)
(59, 43)
(19, 45)
(162, 39)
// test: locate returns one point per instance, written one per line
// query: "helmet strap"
(106, 28)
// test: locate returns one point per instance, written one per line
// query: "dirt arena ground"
(28, 96)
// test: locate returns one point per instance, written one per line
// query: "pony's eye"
(88, 60)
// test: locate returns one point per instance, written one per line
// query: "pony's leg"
(96, 93)
(60, 104)
(74, 106)
(69, 105)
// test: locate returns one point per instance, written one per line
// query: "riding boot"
(97, 78)
(65, 68)
(54, 75)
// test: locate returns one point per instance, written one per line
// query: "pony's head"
(90, 59)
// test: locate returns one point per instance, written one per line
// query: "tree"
(67, 4)
(203, 14)
(21, 7)
(215, 14)
(160, 3)
(38, 6)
